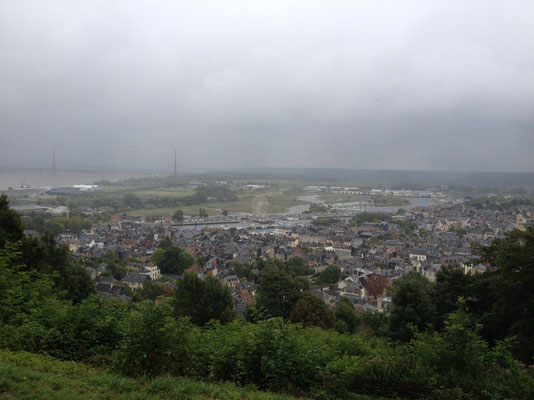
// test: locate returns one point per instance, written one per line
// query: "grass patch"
(164, 192)
(31, 376)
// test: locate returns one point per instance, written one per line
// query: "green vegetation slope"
(31, 376)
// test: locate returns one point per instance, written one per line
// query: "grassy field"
(188, 210)
(330, 198)
(381, 200)
(31, 376)
(144, 193)
(117, 189)
(164, 192)
(279, 202)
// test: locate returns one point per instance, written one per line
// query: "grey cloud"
(382, 84)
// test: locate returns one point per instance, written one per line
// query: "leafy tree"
(75, 224)
(10, 223)
(178, 216)
(173, 260)
(298, 266)
(461, 232)
(375, 284)
(89, 331)
(35, 223)
(373, 323)
(116, 270)
(325, 222)
(110, 257)
(151, 290)
(412, 305)
(54, 227)
(464, 351)
(451, 284)
(225, 213)
(310, 310)
(331, 274)
(114, 267)
(242, 270)
(279, 290)
(153, 342)
(45, 256)
(203, 300)
(23, 292)
(314, 207)
(504, 298)
(165, 243)
(370, 217)
(346, 319)
(86, 224)
(458, 355)
(132, 201)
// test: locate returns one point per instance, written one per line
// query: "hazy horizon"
(384, 85)
(162, 171)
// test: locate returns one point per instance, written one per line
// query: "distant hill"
(487, 179)
(392, 177)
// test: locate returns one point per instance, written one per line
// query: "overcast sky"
(440, 85)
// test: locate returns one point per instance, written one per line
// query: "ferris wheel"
(260, 205)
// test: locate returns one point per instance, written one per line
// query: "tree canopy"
(44, 255)
(331, 274)
(504, 298)
(203, 300)
(412, 305)
(10, 223)
(346, 319)
(172, 260)
(310, 310)
(279, 290)
(178, 216)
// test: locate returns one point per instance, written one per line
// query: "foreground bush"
(146, 340)
(278, 356)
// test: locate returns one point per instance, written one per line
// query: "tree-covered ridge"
(499, 203)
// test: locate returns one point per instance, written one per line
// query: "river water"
(38, 179)
(414, 202)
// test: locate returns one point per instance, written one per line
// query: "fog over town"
(422, 85)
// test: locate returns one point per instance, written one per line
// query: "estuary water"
(414, 202)
(36, 179)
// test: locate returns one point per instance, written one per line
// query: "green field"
(117, 189)
(279, 202)
(144, 193)
(164, 192)
(166, 200)
(32, 376)
(330, 198)
(188, 210)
